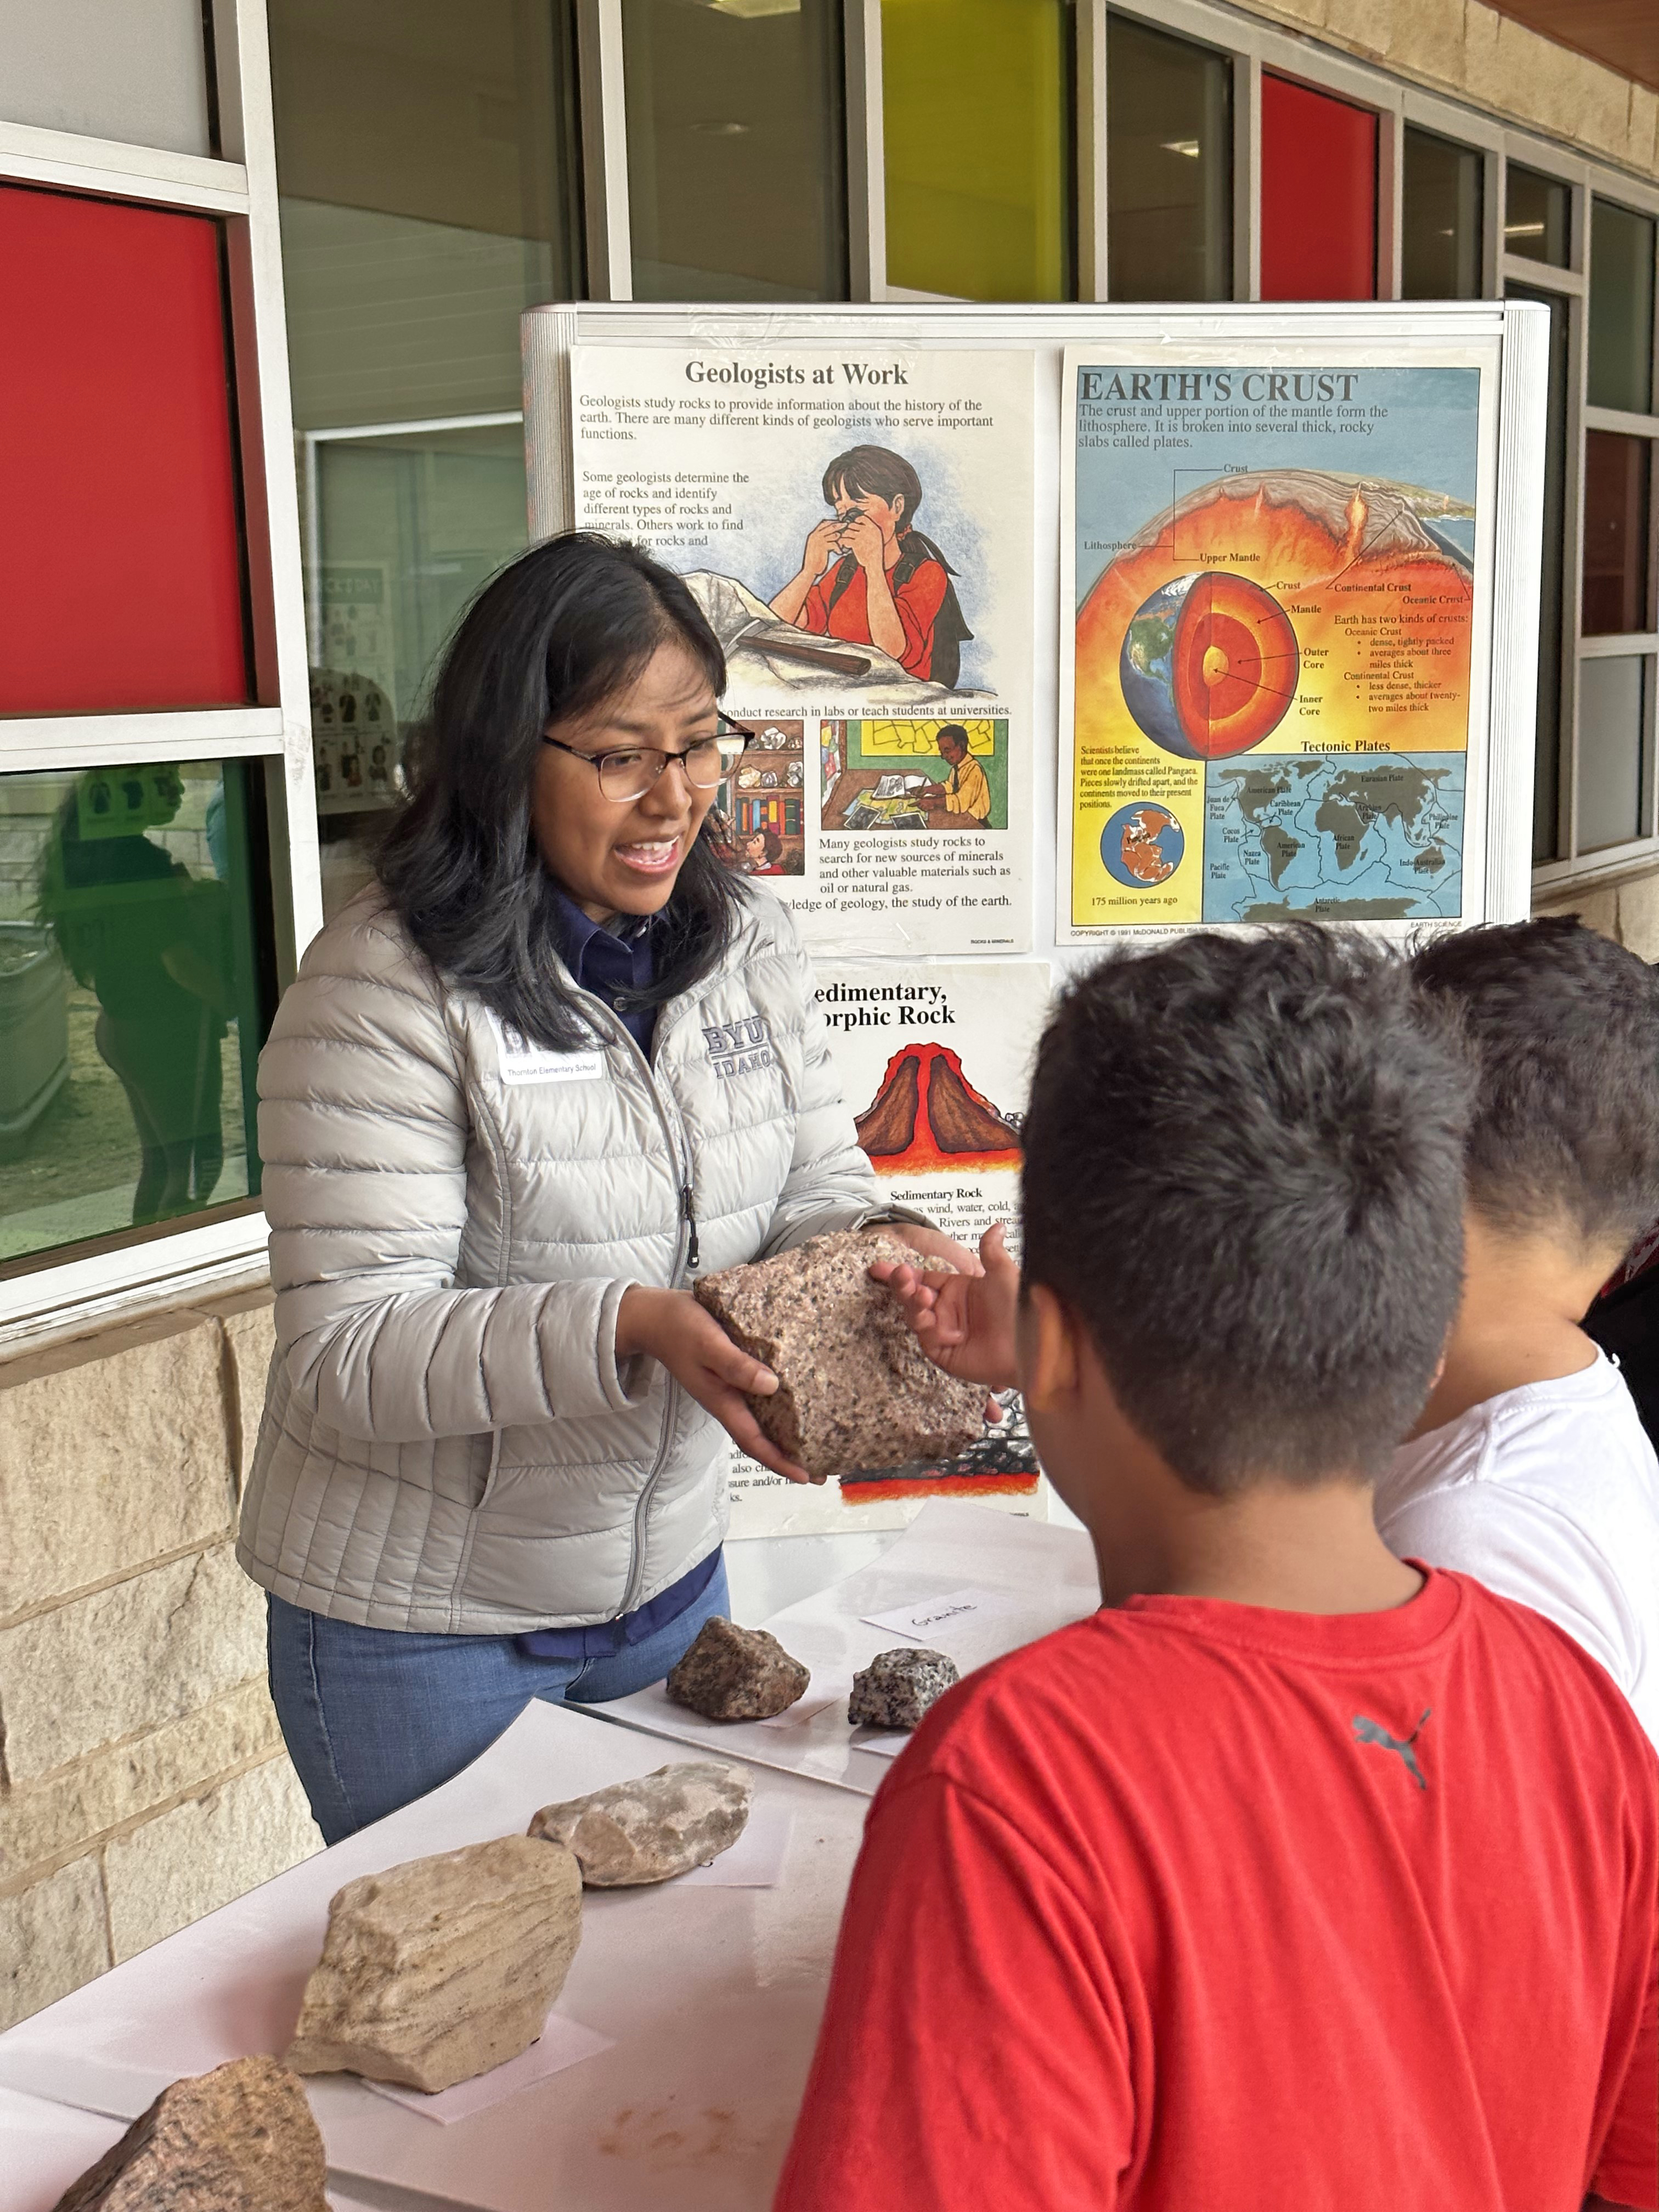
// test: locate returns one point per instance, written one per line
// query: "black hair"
(1565, 1027)
(953, 730)
(866, 470)
(561, 628)
(1244, 1175)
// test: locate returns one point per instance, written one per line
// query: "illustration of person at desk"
(965, 795)
(870, 577)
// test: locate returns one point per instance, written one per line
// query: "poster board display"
(855, 520)
(935, 1060)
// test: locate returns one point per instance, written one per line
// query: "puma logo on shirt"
(1368, 1731)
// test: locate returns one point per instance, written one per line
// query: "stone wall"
(143, 1778)
(1471, 53)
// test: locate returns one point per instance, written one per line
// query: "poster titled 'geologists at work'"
(855, 521)
(1274, 589)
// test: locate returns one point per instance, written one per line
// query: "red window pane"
(1318, 195)
(120, 561)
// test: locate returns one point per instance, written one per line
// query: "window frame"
(237, 185)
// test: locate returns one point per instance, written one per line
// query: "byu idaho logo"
(739, 1048)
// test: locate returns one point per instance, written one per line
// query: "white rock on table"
(441, 1968)
(653, 1828)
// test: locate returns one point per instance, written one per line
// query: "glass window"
(134, 72)
(1612, 714)
(984, 217)
(737, 129)
(427, 158)
(1169, 166)
(1318, 195)
(131, 1007)
(1546, 773)
(1536, 216)
(1442, 193)
(1616, 487)
(1621, 309)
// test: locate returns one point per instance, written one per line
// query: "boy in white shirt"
(1530, 1468)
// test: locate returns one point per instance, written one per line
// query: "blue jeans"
(375, 1717)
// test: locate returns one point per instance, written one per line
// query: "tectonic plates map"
(1274, 604)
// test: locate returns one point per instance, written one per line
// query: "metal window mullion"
(1573, 558)
(1492, 224)
(1246, 176)
(72, 162)
(1093, 213)
(866, 159)
(604, 123)
(1390, 201)
(37, 744)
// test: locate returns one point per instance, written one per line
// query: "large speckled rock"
(239, 2139)
(855, 1390)
(441, 1968)
(650, 1830)
(896, 1689)
(732, 1673)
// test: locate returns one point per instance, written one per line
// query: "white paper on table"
(825, 1692)
(755, 1861)
(563, 2043)
(884, 1747)
(927, 1616)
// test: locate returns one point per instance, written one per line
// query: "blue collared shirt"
(615, 967)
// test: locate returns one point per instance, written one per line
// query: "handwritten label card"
(930, 1617)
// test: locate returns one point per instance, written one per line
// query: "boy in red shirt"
(1298, 1875)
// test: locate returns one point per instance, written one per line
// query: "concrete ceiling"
(1622, 33)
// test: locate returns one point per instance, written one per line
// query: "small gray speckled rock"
(896, 1689)
(855, 1390)
(732, 1673)
(652, 1829)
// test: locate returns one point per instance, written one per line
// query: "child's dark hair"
(1565, 1026)
(1245, 1173)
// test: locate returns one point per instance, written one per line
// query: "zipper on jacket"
(688, 1217)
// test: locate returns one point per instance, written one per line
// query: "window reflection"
(129, 1009)
(1441, 198)
(1621, 309)
(1169, 160)
(1536, 212)
(1612, 714)
(1616, 472)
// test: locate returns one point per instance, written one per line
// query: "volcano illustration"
(927, 1115)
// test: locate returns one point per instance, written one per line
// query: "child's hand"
(964, 1323)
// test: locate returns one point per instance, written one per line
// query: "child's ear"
(1048, 1349)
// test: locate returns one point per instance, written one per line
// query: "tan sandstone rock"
(732, 1673)
(239, 2139)
(441, 1968)
(652, 1829)
(855, 1390)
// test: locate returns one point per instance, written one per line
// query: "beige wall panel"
(52, 1939)
(202, 1855)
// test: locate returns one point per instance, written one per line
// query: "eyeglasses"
(627, 775)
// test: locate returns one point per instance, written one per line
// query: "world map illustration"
(1342, 837)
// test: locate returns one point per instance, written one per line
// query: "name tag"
(520, 1061)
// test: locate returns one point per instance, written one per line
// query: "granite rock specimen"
(732, 1673)
(239, 2139)
(896, 1689)
(441, 1968)
(855, 1390)
(664, 1824)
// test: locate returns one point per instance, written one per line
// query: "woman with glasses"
(554, 1061)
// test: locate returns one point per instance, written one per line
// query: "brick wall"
(142, 1779)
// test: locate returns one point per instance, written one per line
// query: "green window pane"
(1546, 775)
(1621, 309)
(978, 125)
(736, 129)
(1616, 481)
(1536, 214)
(1612, 712)
(1169, 166)
(132, 1007)
(1442, 197)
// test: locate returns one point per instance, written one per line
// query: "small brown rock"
(652, 1829)
(441, 1968)
(732, 1673)
(855, 1390)
(239, 2139)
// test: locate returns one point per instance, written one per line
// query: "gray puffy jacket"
(448, 1443)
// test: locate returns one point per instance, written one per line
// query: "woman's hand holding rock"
(671, 1327)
